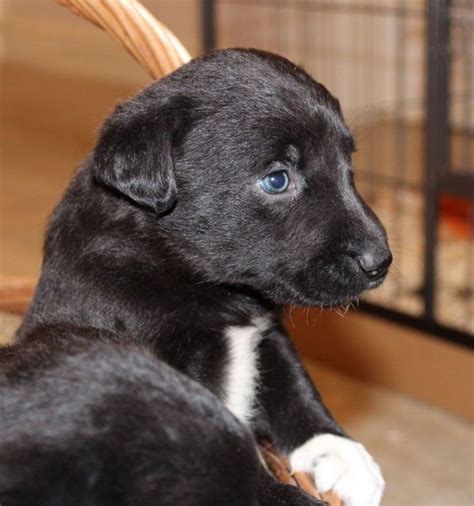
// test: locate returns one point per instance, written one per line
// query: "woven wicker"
(160, 52)
(142, 35)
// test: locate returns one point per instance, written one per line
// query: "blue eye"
(275, 182)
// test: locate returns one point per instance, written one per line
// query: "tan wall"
(42, 34)
(372, 349)
(2, 29)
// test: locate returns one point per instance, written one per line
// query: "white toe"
(327, 471)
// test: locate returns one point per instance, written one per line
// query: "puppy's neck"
(120, 273)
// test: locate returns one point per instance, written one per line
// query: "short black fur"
(115, 390)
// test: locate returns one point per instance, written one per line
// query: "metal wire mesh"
(455, 269)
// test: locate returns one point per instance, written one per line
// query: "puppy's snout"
(372, 257)
(375, 264)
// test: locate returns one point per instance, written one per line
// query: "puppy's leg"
(302, 427)
(103, 424)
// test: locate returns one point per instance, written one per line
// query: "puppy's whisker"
(289, 311)
(355, 304)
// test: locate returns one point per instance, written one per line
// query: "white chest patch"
(242, 368)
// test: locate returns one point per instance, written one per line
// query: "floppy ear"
(133, 155)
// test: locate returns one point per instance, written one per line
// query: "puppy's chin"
(286, 294)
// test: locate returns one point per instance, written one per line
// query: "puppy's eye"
(276, 182)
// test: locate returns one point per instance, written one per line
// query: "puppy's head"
(245, 161)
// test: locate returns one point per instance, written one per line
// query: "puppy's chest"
(241, 376)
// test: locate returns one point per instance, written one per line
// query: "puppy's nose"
(375, 264)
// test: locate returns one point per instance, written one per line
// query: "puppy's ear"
(133, 155)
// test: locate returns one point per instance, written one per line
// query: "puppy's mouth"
(376, 283)
(286, 293)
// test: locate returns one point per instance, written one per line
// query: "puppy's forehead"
(257, 76)
(251, 90)
(333, 122)
(276, 80)
(274, 86)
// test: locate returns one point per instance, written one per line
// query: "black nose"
(375, 265)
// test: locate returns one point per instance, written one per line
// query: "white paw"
(343, 466)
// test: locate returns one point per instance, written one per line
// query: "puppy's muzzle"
(372, 258)
(375, 265)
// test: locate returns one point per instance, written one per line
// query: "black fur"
(89, 419)
(163, 240)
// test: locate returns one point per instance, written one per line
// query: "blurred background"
(398, 372)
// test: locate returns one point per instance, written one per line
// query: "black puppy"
(152, 356)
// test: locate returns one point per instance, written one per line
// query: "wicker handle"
(159, 51)
(133, 26)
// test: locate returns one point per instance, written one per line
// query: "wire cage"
(404, 73)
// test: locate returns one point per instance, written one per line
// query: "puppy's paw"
(343, 466)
